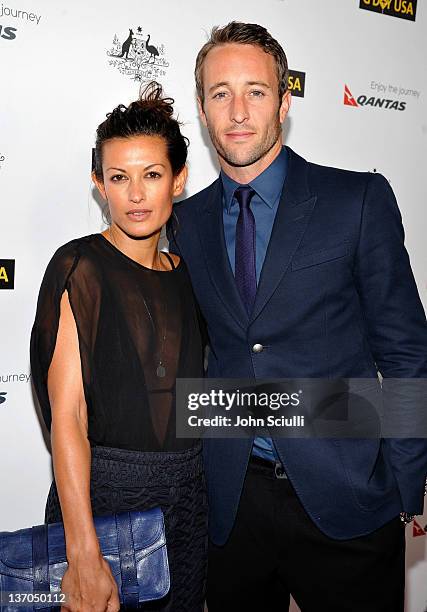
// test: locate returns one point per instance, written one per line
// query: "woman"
(116, 324)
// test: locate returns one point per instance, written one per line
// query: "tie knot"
(244, 195)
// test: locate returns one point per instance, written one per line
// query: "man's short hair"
(244, 34)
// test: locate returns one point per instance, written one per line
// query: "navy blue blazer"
(336, 298)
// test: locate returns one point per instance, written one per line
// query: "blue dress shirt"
(268, 188)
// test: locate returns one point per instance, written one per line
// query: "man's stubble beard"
(257, 152)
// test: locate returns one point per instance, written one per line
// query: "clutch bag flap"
(147, 534)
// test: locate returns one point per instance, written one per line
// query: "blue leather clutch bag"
(33, 560)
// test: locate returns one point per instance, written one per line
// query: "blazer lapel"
(293, 214)
(211, 230)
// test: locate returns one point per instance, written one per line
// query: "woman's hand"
(89, 585)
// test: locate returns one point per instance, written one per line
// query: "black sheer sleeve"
(84, 296)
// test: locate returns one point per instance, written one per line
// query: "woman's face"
(139, 184)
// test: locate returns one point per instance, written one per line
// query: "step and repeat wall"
(359, 101)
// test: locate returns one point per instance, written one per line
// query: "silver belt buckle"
(279, 471)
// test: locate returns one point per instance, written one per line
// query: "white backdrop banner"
(360, 102)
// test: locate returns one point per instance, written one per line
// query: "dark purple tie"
(245, 269)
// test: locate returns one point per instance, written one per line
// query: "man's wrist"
(405, 517)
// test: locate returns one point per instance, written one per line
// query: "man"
(300, 271)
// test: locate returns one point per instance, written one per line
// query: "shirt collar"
(268, 185)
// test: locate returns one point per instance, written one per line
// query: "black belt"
(272, 466)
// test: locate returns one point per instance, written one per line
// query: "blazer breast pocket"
(322, 256)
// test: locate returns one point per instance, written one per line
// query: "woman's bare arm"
(88, 581)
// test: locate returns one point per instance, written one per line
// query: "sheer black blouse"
(138, 330)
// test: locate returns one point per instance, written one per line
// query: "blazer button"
(257, 348)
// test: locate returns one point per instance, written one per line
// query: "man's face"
(242, 110)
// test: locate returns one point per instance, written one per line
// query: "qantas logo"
(417, 530)
(349, 98)
(364, 100)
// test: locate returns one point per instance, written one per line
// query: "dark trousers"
(276, 550)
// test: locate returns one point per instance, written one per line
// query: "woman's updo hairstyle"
(150, 115)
